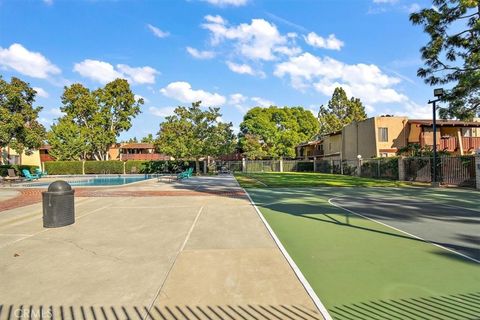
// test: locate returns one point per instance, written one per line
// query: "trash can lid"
(59, 186)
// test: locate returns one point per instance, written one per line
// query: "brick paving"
(32, 196)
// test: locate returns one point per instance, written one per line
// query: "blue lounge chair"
(40, 173)
(29, 176)
(185, 174)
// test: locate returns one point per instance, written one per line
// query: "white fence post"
(244, 165)
(477, 170)
(124, 165)
(83, 167)
(314, 164)
(281, 164)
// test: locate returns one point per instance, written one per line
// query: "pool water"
(96, 181)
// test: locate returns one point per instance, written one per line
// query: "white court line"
(147, 312)
(262, 183)
(48, 229)
(399, 230)
(316, 300)
(423, 202)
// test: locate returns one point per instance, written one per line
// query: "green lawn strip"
(248, 182)
(363, 261)
(310, 179)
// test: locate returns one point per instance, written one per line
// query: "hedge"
(116, 167)
(18, 169)
(104, 167)
(139, 166)
(64, 167)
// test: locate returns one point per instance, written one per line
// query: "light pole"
(438, 94)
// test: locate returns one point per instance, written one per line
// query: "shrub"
(172, 166)
(18, 169)
(63, 167)
(104, 167)
(305, 167)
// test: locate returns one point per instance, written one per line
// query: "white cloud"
(414, 7)
(366, 82)
(41, 92)
(99, 71)
(261, 102)
(244, 103)
(224, 3)
(46, 122)
(317, 41)
(48, 2)
(28, 63)
(244, 69)
(138, 97)
(237, 98)
(182, 91)
(157, 32)
(415, 111)
(161, 112)
(104, 72)
(140, 75)
(259, 40)
(200, 54)
(56, 112)
(215, 19)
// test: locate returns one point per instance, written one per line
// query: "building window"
(383, 134)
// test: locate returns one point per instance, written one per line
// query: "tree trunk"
(197, 166)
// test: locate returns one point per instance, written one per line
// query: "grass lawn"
(361, 269)
(309, 179)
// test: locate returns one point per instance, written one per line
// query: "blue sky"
(236, 54)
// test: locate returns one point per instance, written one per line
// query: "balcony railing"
(470, 143)
(451, 144)
(448, 144)
(144, 156)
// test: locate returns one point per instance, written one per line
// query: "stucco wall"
(397, 134)
(31, 160)
(359, 139)
(332, 144)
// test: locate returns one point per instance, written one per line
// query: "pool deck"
(182, 250)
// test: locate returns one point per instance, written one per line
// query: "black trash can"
(58, 205)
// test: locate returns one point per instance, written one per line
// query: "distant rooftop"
(139, 145)
(446, 123)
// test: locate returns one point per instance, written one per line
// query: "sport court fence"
(459, 171)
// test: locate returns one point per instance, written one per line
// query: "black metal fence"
(459, 171)
(456, 171)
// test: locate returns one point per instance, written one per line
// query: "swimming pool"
(82, 181)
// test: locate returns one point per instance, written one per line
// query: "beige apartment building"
(383, 136)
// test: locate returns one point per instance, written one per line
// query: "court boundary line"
(399, 230)
(429, 200)
(147, 314)
(306, 285)
(250, 177)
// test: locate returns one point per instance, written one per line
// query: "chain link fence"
(459, 171)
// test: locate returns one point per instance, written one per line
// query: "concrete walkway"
(203, 255)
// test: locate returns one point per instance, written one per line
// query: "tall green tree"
(274, 132)
(339, 112)
(68, 140)
(98, 117)
(19, 126)
(148, 139)
(193, 133)
(452, 54)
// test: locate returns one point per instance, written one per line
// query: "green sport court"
(377, 249)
